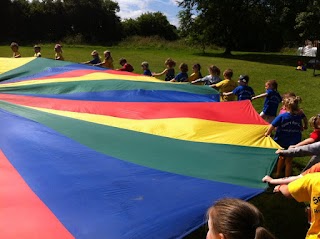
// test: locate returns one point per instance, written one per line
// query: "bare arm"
(259, 96)
(269, 131)
(286, 180)
(227, 93)
(304, 142)
(161, 73)
(283, 189)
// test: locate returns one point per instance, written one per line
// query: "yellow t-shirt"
(226, 86)
(307, 189)
(194, 76)
(108, 63)
(59, 56)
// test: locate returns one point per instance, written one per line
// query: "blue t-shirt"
(147, 72)
(271, 102)
(243, 92)
(95, 60)
(181, 77)
(288, 129)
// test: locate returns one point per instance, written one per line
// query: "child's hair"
(273, 84)
(214, 69)
(228, 73)
(94, 53)
(58, 46)
(183, 67)
(292, 104)
(107, 51)
(314, 121)
(237, 219)
(244, 78)
(169, 62)
(197, 66)
(122, 61)
(37, 47)
(145, 64)
(14, 44)
(288, 94)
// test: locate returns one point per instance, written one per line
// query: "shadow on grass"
(267, 58)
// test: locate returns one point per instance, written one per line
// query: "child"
(196, 73)
(306, 189)
(95, 60)
(15, 49)
(183, 75)
(37, 51)
(125, 66)
(314, 122)
(288, 131)
(243, 91)
(145, 68)
(212, 78)
(285, 95)
(58, 52)
(226, 85)
(232, 218)
(169, 71)
(108, 60)
(271, 102)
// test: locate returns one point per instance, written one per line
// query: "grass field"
(284, 217)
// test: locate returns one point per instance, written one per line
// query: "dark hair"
(238, 219)
(183, 67)
(122, 61)
(169, 62)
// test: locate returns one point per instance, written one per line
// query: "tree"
(241, 24)
(150, 24)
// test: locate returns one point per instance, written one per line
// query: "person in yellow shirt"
(306, 189)
(107, 62)
(196, 73)
(226, 85)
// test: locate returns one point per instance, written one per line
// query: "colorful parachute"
(94, 153)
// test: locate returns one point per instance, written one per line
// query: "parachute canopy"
(87, 152)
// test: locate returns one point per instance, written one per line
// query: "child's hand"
(279, 151)
(277, 188)
(266, 179)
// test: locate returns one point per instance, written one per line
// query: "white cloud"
(134, 8)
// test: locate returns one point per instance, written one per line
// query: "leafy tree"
(150, 24)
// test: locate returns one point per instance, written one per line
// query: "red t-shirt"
(315, 135)
(126, 67)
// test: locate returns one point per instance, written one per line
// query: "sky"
(134, 8)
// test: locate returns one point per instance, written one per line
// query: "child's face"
(195, 69)
(14, 48)
(267, 86)
(211, 234)
(143, 67)
(58, 49)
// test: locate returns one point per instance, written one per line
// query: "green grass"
(284, 217)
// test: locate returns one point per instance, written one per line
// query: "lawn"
(284, 217)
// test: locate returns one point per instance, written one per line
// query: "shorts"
(267, 118)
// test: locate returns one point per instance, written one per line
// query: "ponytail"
(263, 233)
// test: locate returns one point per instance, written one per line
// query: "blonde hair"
(292, 104)
(237, 219)
(314, 121)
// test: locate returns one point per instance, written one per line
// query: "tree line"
(259, 25)
(88, 21)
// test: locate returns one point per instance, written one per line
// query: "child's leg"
(280, 165)
(288, 166)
